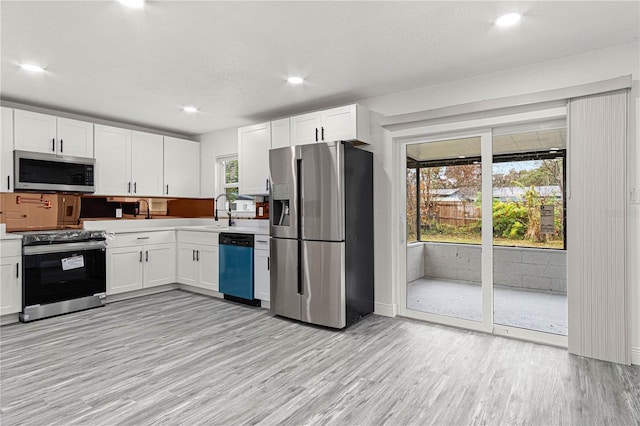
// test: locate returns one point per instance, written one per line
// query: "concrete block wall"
(529, 268)
(415, 261)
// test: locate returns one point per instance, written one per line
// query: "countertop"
(5, 236)
(198, 225)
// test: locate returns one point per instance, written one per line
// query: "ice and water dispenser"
(281, 199)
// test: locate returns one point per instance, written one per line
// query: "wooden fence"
(457, 213)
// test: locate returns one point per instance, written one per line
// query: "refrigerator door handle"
(300, 271)
(300, 204)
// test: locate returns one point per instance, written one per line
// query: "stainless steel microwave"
(35, 171)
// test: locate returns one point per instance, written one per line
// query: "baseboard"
(265, 304)
(385, 309)
(199, 290)
(635, 355)
(142, 292)
(9, 319)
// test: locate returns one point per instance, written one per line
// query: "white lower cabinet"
(10, 277)
(261, 266)
(136, 261)
(198, 259)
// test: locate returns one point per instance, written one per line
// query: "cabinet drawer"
(141, 238)
(261, 242)
(197, 237)
(10, 248)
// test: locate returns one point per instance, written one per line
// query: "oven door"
(60, 272)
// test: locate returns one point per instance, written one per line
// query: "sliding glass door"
(446, 277)
(485, 216)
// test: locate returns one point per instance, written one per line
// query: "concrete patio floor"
(532, 310)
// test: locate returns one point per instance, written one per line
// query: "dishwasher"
(236, 267)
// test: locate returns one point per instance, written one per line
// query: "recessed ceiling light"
(508, 20)
(462, 156)
(31, 67)
(190, 109)
(134, 4)
(295, 80)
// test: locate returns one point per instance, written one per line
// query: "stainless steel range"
(63, 271)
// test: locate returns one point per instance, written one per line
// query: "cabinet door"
(207, 260)
(253, 159)
(281, 133)
(147, 159)
(10, 285)
(187, 266)
(159, 264)
(6, 151)
(339, 124)
(75, 138)
(124, 269)
(181, 168)
(34, 132)
(305, 128)
(261, 274)
(113, 161)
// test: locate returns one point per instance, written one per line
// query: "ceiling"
(512, 143)
(231, 59)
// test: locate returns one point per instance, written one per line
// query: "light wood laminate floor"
(179, 358)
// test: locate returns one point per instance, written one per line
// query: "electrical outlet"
(633, 196)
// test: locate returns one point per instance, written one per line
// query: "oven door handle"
(58, 248)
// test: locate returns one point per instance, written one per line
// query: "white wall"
(213, 145)
(564, 72)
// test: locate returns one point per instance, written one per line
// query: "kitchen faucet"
(228, 211)
(148, 208)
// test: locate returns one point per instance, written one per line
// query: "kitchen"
(131, 139)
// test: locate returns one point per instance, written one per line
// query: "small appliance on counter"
(62, 272)
(322, 233)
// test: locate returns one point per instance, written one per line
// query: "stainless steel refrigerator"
(321, 217)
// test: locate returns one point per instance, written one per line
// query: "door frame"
(454, 130)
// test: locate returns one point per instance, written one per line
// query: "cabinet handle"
(129, 188)
(146, 256)
(316, 134)
(135, 187)
(61, 146)
(193, 255)
(267, 185)
(268, 263)
(17, 270)
(322, 133)
(140, 256)
(142, 238)
(197, 255)
(53, 144)
(8, 182)
(167, 189)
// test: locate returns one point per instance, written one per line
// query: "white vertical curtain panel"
(596, 227)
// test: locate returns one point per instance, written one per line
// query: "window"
(227, 183)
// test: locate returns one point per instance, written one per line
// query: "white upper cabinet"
(254, 143)
(113, 161)
(128, 162)
(181, 168)
(147, 164)
(54, 135)
(6, 151)
(281, 133)
(348, 123)
(75, 138)
(305, 128)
